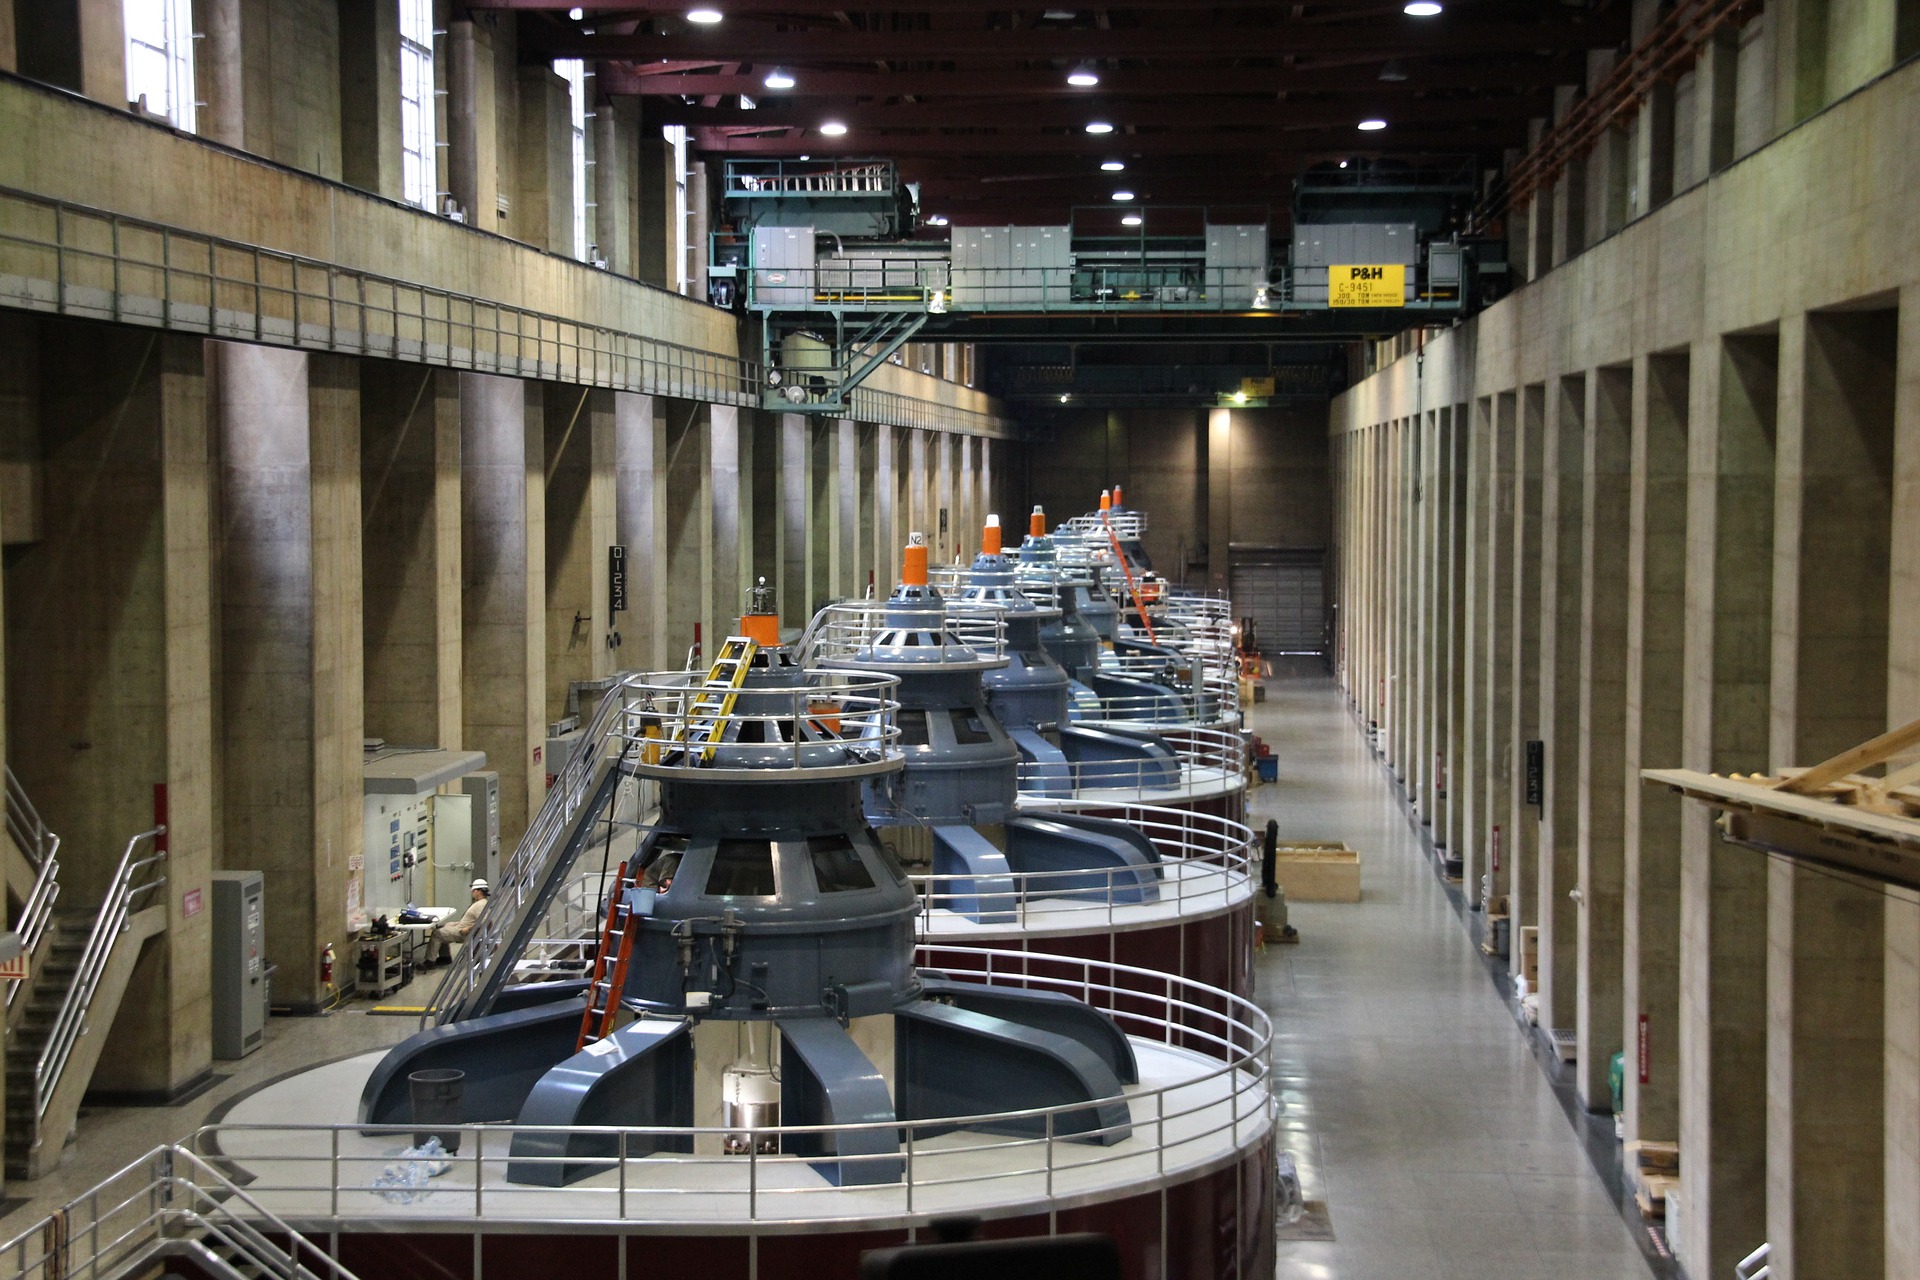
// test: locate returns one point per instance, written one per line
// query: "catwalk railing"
(1207, 761)
(168, 1203)
(322, 1177)
(70, 259)
(1205, 863)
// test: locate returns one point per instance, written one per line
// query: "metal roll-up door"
(1283, 591)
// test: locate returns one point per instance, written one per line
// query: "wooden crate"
(1654, 1157)
(1530, 954)
(1318, 871)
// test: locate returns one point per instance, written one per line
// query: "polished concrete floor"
(1415, 1107)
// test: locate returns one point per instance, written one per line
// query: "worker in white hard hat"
(440, 943)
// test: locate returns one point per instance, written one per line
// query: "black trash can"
(436, 1100)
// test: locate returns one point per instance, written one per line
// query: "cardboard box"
(1530, 954)
(1654, 1157)
(1317, 871)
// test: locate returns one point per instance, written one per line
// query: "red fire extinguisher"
(326, 966)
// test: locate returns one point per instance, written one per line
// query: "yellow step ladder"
(712, 705)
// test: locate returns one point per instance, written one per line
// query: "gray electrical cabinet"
(1236, 262)
(1319, 246)
(239, 963)
(484, 788)
(783, 266)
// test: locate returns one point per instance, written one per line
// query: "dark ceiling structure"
(989, 107)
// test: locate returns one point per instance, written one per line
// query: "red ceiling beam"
(1392, 37)
(644, 79)
(1186, 114)
(1228, 146)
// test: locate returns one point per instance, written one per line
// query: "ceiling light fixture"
(1239, 397)
(1131, 220)
(1123, 196)
(778, 79)
(1113, 166)
(1422, 9)
(704, 17)
(937, 220)
(576, 14)
(833, 129)
(1064, 397)
(1372, 126)
(1343, 164)
(1099, 126)
(1082, 78)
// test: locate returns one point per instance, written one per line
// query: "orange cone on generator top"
(990, 537)
(1117, 499)
(1106, 500)
(1037, 523)
(913, 566)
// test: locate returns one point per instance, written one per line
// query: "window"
(160, 58)
(574, 72)
(836, 865)
(741, 869)
(683, 236)
(419, 160)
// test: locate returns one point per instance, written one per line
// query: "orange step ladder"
(609, 965)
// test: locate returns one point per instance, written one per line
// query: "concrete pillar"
(1562, 503)
(504, 564)
(9, 53)
(1723, 889)
(1219, 515)
(640, 470)
(77, 44)
(653, 191)
(729, 527)
(1656, 609)
(1609, 164)
(1569, 194)
(1715, 101)
(1523, 819)
(580, 525)
(108, 654)
(1603, 708)
(218, 72)
(370, 97)
(1902, 1012)
(291, 645)
(543, 196)
(686, 517)
(410, 549)
(1467, 777)
(1455, 426)
(1652, 184)
(612, 183)
(473, 174)
(1499, 769)
(881, 570)
(794, 518)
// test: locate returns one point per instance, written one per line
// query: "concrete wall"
(1724, 547)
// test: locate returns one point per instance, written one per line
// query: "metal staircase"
(58, 1026)
(852, 348)
(168, 1213)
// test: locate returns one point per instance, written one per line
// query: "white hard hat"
(480, 885)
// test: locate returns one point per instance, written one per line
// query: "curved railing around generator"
(829, 723)
(1207, 762)
(842, 631)
(322, 1177)
(1206, 864)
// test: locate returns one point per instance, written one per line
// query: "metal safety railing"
(842, 631)
(167, 1203)
(1205, 864)
(1208, 1095)
(71, 259)
(129, 883)
(847, 721)
(1206, 762)
(30, 833)
(35, 915)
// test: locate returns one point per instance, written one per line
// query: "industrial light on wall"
(704, 17)
(1372, 126)
(937, 220)
(833, 129)
(778, 79)
(1099, 126)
